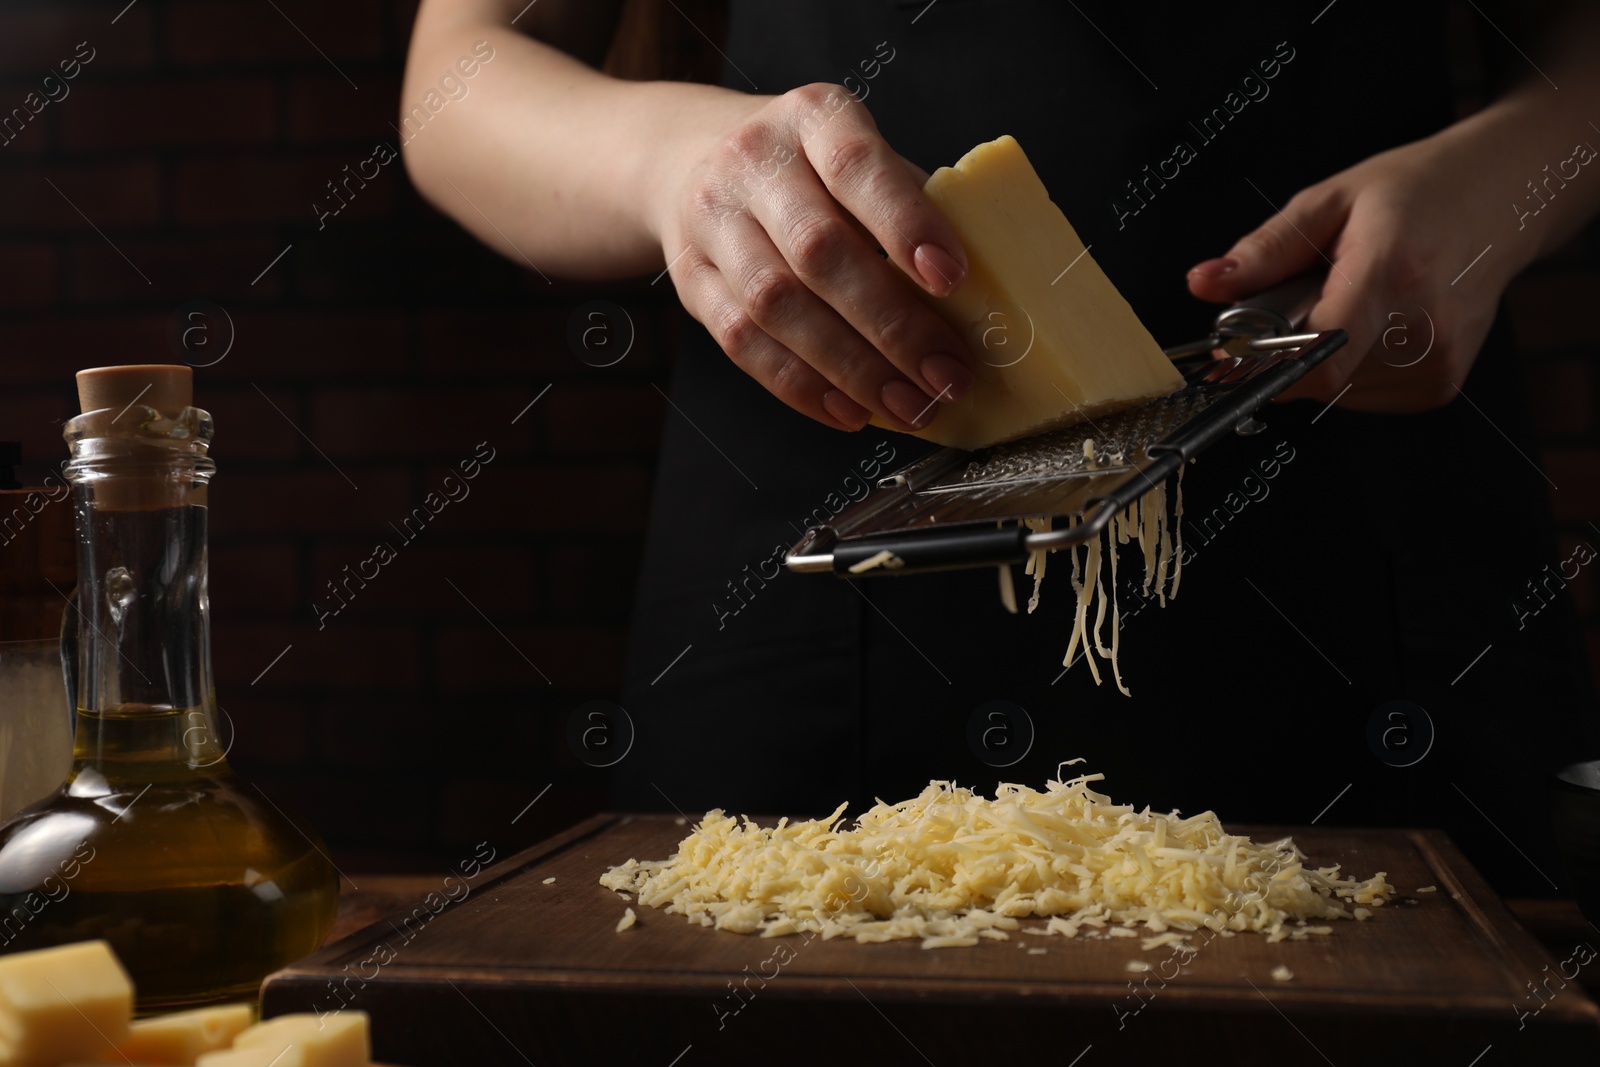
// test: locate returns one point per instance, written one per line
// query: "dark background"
(419, 720)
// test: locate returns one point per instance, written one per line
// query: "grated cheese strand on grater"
(950, 866)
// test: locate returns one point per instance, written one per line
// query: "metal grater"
(954, 509)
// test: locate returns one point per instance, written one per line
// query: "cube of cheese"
(334, 1040)
(65, 1003)
(1054, 340)
(182, 1037)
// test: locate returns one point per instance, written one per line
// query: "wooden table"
(524, 971)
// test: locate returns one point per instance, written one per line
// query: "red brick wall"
(379, 351)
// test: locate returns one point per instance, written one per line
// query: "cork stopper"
(169, 388)
(142, 481)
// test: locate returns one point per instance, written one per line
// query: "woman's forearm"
(1545, 167)
(1539, 142)
(544, 158)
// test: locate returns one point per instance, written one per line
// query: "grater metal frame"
(955, 510)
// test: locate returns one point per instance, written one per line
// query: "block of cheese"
(337, 1039)
(65, 1003)
(1054, 341)
(182, 1037)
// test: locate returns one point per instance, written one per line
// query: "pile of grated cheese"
(950, 867)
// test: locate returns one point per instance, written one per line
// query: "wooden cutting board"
(519, 972)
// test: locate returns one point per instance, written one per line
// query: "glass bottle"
(198, 881)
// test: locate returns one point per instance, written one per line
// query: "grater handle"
(1280, 310)
(1264, 322)
(950, 550)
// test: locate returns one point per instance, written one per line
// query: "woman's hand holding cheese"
(772, 231)
(769, 211)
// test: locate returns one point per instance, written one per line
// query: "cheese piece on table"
(1054, 341)
(334, 1040)
(182, 1037)
(65, 1003)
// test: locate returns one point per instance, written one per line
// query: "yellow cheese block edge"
(983, 196)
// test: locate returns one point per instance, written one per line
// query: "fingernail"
(941, 272)
(908, 403)
(1215, 268)
(838, 404)
(948, 376)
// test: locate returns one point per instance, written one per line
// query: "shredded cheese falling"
(1037, 557)
(1161, 546)
(950, 866)
(1008, 591)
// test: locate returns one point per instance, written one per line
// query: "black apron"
(1335, 565)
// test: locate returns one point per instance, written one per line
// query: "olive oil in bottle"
(201, 884)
